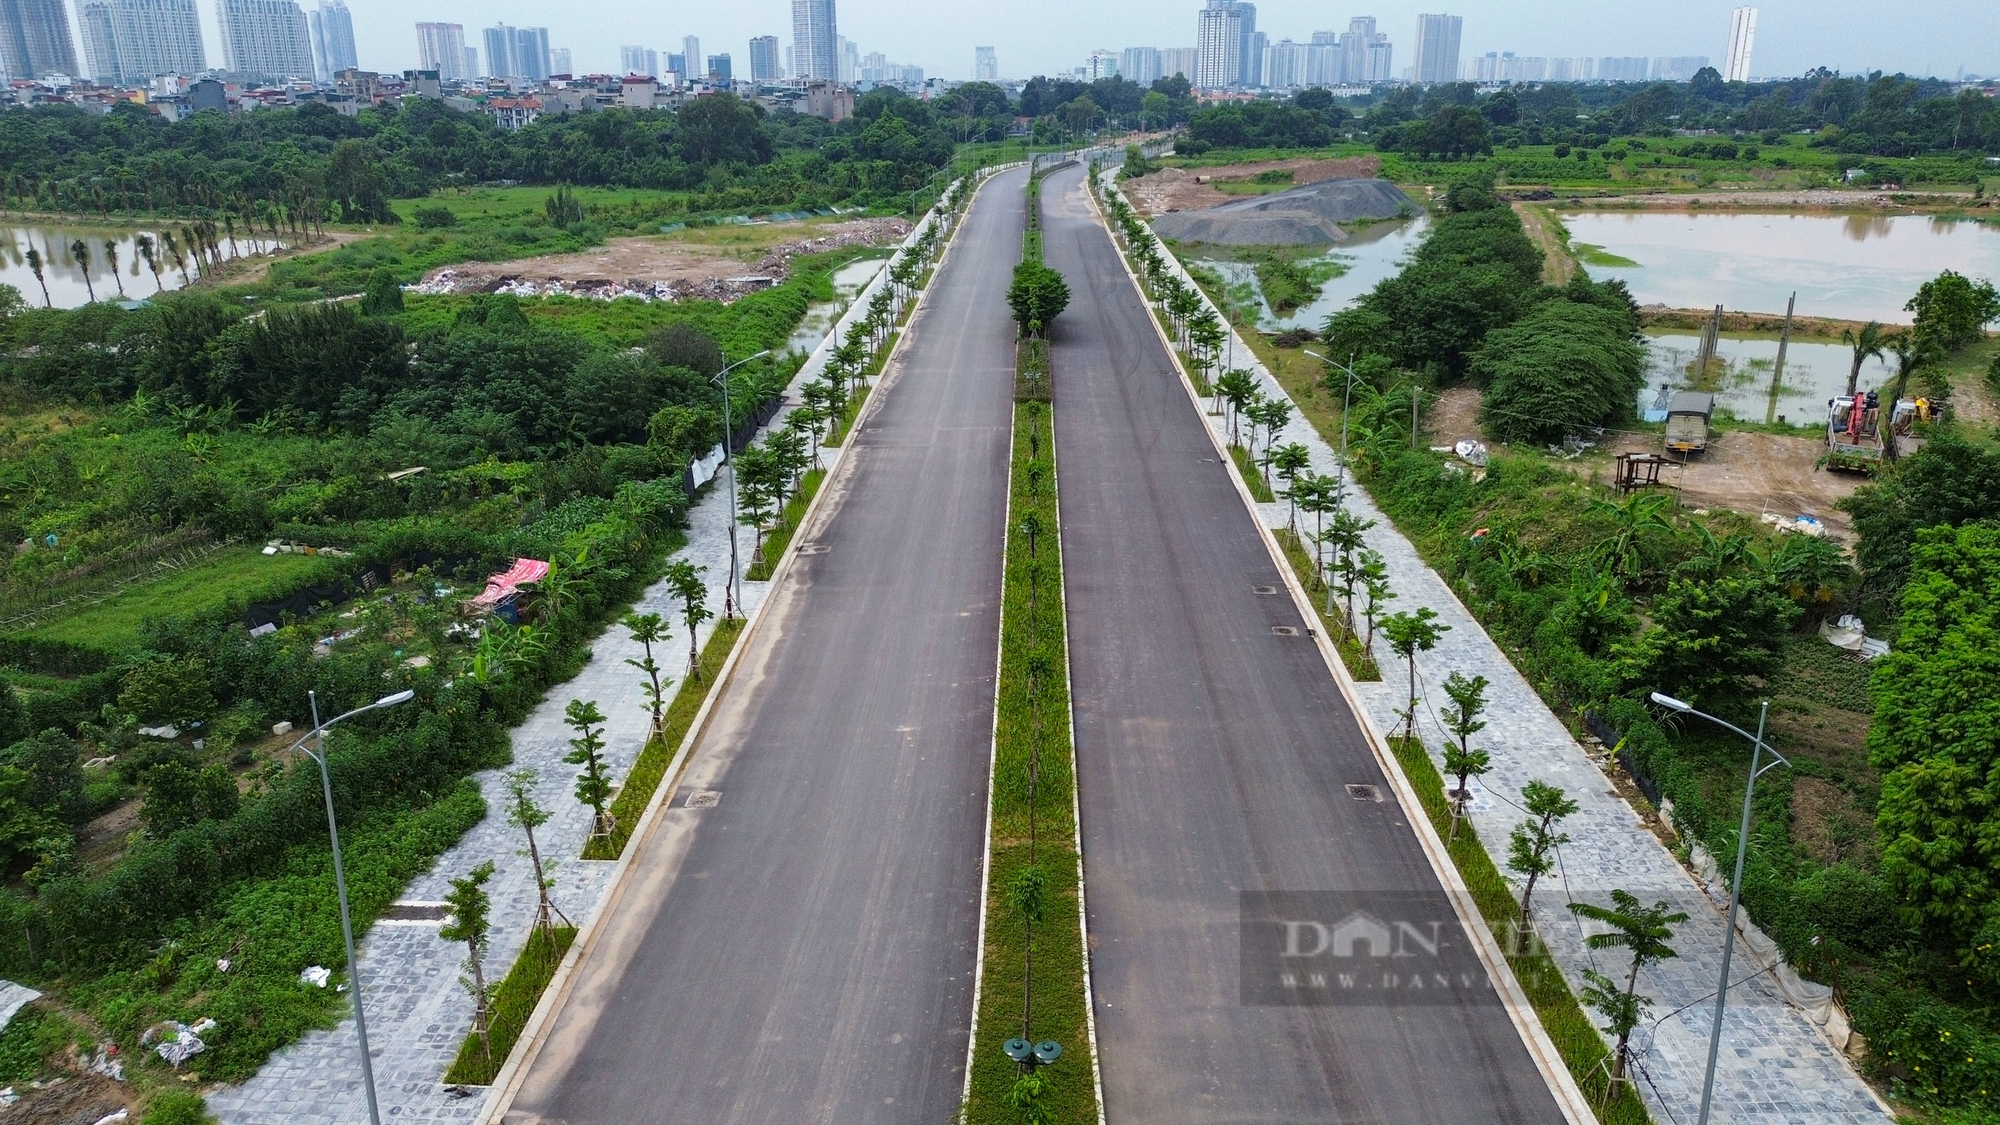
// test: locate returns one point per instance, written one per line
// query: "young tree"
(684, 582)
(1461, 718)
(1408, 635)
(525, 813)
(758, 477)
(1531, 850)
(1641, 931)
(1237, 388)
(1375, 591)
(593, 785)
(471, 922)
(647, 628)
(1289, 461)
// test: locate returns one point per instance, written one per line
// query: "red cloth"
(507, 581)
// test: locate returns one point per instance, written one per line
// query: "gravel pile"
(1303, 216)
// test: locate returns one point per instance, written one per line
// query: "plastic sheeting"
(1814, 999)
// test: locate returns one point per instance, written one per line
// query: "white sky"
(1041, 36)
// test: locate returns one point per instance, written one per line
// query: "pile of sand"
(1302, 216)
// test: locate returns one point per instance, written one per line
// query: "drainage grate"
(701, 799)
(814, 548)
(415, 912)
(1285, 630)
(1263, 589)
(1365, 793)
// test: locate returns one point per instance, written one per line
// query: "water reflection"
(1371, 254)
(848, 280)
(1742, 381)
(1848, 267)
(67, 283)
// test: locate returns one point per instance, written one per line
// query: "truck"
(1855, 429)
(1687, 421)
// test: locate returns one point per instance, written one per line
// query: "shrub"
(1562, 369)
(434, 218)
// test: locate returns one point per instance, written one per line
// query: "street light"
(732, 593)
(1346, 402)
(1757, 750)
(318, 735)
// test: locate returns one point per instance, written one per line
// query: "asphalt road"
(804, 950)
(1213, 757)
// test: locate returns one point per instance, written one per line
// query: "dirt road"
(1192, 189)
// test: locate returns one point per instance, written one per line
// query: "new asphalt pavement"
(803, 948)
(1269, 943)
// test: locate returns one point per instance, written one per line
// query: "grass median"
(780, 535)
(1033, 844)
(514, 1001)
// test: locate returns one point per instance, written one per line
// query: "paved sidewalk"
(417, 1012)
(1776, 1066)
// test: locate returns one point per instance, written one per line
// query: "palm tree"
(1867, 343)
(145, 245)
(1911, 354)
(35, 264)
(111, 259)
(1643, 930)
(79, 252)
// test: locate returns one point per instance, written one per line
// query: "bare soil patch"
(248, 271)
(1454, 416)
(1828, 825)
(1752, 472)
(679, 266)
(1192, 189)
(80, 1099)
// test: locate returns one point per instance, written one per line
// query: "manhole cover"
(415, 912)
(701, 799)
(1263, 589)
(814, 548)
(1365, 792)
(1285, 630)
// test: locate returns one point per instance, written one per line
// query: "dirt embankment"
(1192, 189)
(1815, 199)
(661, 267)
(1557, 264)
(1807, 327)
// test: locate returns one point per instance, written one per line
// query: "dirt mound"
(1192, 189)
(1303, 216)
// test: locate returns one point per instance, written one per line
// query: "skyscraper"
(1219, 37)
(133, 40)
(1364, 53)
(850, 60)
(639, 60)
(34, 39)
(332, 39)
(265, 38)
(719, 69)
(1742, 37)
(441, 47)
(815, 40)
(1140, 64)
(1437, 48)
(517, 52)
(764, 59)
(691, 51)
(559, 61)
(985, 65)
(1182, 61)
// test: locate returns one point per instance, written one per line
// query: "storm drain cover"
(1365, 792)
(1264, 589)
(1285, 630)
(414, 912)
(701, 799)
(814, 548)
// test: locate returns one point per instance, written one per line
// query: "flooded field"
(105, 273)
(1815, 371)
(1372, 253)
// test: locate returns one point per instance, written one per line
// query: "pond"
(65, 279)
(1847, 267)
(1815, 370)
(848, 280)
(1371, 254)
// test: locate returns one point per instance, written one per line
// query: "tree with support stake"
(1641, 930)
(1461, 718)
(593, 785)
(525, 813)
(1531, 851)
(1408, 635)
(647, 628)
(684, 582)
(471, 922)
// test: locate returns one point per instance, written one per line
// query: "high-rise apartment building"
(691, 51)
(559, 61)
(1182, 61)
(639, 60)
(134, 40)
(1572, 70)
(517, 52)
(764, 59)
(719, 69)
(1677, 68)
(1364, 53)
(265, 38)
(1623, 68)
(1140, 64)
(441, 47)
(816, 52)
(1285, 65)
(332, 29)
(34, 39)
(985, 65)
(1742, 37)
(850, 61)
(1220, 35)
(1103, 64)
(1437, 48)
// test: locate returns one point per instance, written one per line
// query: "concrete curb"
(507, 1083)
(1562, 1085)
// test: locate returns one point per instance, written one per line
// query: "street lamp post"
(732, 593)
(1757, 750)
(318, 736)
(1346, 405)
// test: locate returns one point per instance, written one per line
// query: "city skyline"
(1795, 36)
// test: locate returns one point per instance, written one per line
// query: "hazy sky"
(1041, 36)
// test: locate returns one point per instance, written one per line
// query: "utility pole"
(1778, 367)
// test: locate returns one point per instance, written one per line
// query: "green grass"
(1568, 1025)
(512, 1005)
(1028, 721)
(659, 750)
(230, 574)
(1591, 255)
(1246, 467)
(856, 398)
(776, 539)
(1360, 664)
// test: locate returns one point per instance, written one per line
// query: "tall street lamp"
(1346, 405)
(317, 753)
(1757, 750)
(732, 591)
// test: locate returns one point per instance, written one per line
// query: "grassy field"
(1033, 836)
(230, 574)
